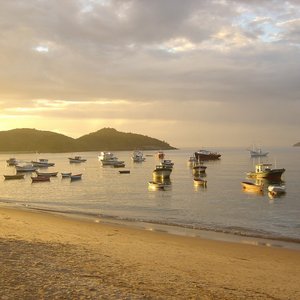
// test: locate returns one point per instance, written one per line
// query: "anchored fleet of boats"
(264, 175)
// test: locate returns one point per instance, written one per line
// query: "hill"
(297, 145)
(33, 140)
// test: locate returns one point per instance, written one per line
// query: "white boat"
(276, 189)
(26, 168)
(257, 152)
(137, 156)
(76, 159)
(16, 176)
(12, 161)
(42, 162)
(109, 159)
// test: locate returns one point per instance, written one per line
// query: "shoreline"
(46, 256)
(174, 229)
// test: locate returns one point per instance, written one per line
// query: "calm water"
(222, 206)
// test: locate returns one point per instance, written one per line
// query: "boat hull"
(272, 174)
(252, 187)
(12, 177)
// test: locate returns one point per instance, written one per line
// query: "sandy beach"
(47, 256)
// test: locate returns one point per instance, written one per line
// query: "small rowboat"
(48, 174)
(66, 175)
(40, 178)
(76, 177)
(199, 181)
(124, 171)
(276, 190)
(252, 187)
(17, 176)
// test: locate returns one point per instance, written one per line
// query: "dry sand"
(46, 256)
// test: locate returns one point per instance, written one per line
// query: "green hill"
(32, 140)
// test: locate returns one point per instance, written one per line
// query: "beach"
(47, 256)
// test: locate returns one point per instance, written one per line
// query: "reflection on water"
(103, 191)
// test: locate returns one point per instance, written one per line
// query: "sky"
(209, 73)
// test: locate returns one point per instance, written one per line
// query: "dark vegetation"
(32, 140)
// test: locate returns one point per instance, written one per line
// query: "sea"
(222, 210)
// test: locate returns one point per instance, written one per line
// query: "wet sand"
(46, 256)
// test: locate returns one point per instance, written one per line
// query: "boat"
(154, 185)
(66, 174)
(138, 156)
(257, 152)
(264, 170)
(25, 168)
(76, 177)
(199, 169)
(192, 160)
(199, 181)
(40, 178)
(119, 164)
(42, 163)
(160, 155)
(252, 187)
(276, 189)
(202, 155)
(109, 159)
(47, 174)
(167, 163)
(76, 159)
(161, 171)
(16, 176)
(12, 161)
(124, 171)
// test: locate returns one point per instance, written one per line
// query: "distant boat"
(199, 169)
(42, 162)
(124, 171)
(276, 190)
(160, 155)
(40, 178)
(167, 163)
(257, 152)
(76, 177)
(16, 176)
(76, 159)
(202, 155)
(137, 156)
(12, 161)
(66, 174)
(264, 170)
(48, 174)
(252, 187)
(109, 159)
(26, 168)
(162, 172)
(199, 181)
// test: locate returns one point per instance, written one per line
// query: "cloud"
(163, 61)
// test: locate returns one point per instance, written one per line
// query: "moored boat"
(76, 177)
(42, 163)
(40, 178)
(76, 159)
(12, 161)
(202, 155)
(252, 187)
(25, 168)
(48, 174)
(161, 171)
(264, 170)
(137, 156)
(276, 190)
(16, 176)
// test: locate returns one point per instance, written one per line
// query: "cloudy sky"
(195, 73)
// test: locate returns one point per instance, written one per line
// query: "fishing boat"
(25, 168)
(199, 181)
(48, 174)
(42, 163)
(252, 187)
(257, 152)
(138, 156)
(202, 155)
(160, 155)
(161, 172)
(76, 159)
(119, 164)
(16, 176)
(40, 178)
(66, 174)
(12, 161)
(276, 190)
(76, 177)
(264, 170)
(109, 159)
